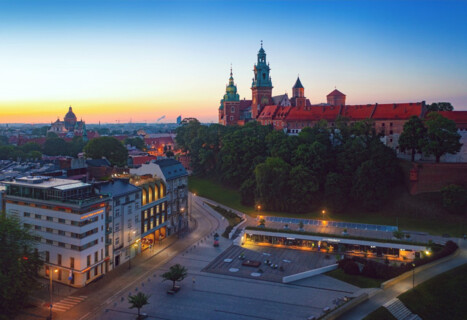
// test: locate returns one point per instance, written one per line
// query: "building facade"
(123, 224)
(68, 220)
(175, 177)
(70, 126)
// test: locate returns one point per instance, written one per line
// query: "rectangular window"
(26, 214)
(157, 209)
(88, 275)
(96, 257)
(152, 212)
(89, 260)
(47, 256)
(152, 223)
(50, 219)
(38, 216)
(117, 213)
(61, 232)
(145, 214)
(60, 220)
(61, 244)
(59, 259)
(72, 263)
(145, 226)
(49, 230)
(231, 118)
(233, 109)
(49, 242)
(117, 240)
(95, 271)
(59, 275)
(37, 228)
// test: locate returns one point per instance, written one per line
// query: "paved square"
(288, 262)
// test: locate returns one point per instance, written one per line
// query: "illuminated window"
(233, 109)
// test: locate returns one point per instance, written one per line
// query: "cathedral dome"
(70, 116)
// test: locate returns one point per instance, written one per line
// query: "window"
(89, 260)
(95, 271)
(152, 223)
(59, 259)
(390, 131)
(38, 216)
(382, 124)
(129, 223)
(61, 244)
(59, 274)
(47, 256)
(233, 109)
(88, 275)
(117, 212)
(49, 230)
(72, 263)
(96, 257)
(390, 124)
(231, 118)
(117, 240)
(26, 214)
(49, 242)
(61, 232)
(117, 226)
(50, 219)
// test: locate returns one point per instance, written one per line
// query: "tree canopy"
(413, 136)
(176, 273)
(19, 265)
(440, 106)
(108, 147)
(135, 142)
(442, 136)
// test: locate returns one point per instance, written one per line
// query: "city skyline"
(116, 60)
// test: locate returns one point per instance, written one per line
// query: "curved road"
(101, 296)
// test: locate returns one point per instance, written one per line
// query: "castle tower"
(299, 94)
(336, 98)
(261, 88)
(229, 110)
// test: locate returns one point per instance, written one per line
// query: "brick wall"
(431, 177)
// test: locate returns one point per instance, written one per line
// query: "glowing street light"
(50, 289)
(323, 212)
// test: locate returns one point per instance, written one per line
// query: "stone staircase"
(400, 311)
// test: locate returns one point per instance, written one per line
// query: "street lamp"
(258, 207)
(413, 277)
(50, 290)
(323, 212)
(190, 209)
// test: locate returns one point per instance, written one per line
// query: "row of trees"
(338, 166)
(435, 136)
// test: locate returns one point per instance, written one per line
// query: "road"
(104, 295)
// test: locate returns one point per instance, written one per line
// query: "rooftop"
(46, 183)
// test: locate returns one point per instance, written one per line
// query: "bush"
(454, 198)
(349, 266)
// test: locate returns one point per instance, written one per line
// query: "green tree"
(176, 273)
(30, 146)
(336, 191)
(76, 146)
(442, 136)
(138, 301)
(51, 135)
(3, 140)
(303, 187)
(56, 147)
(19, 266)
(413, 136)
(272, 186)
(34, 155)
(6, 152)
(108, 147)
(440, 106)
(455, 198)
(40, 132)
(247, 191)
(136, 142)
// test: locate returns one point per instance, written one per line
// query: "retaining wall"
(308, 274)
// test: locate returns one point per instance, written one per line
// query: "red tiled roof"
(398, 111)
(155, 142)
(329, 113)
(138, 160)
(456, 116)
(357, 112)
(337, 93)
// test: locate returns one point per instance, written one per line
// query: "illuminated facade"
(68, 219)
(70, 126)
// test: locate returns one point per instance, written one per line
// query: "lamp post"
(190, 209)
(50, 290)
(323, 212)
(129, 240)
(413, 277)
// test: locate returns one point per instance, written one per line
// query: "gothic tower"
(262, 86)
(299, 94)
(229, 110)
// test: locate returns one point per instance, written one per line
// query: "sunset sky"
(140, 60)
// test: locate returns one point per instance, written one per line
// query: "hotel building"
(68, 219)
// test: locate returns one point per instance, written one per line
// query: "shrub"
(351, 267)
(454, 198)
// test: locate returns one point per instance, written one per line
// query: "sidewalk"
(41, 299)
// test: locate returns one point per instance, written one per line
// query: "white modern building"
(68, 219)
(175, 177)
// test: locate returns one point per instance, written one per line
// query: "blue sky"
(116, 60)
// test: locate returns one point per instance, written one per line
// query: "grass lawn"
(231, 217)
(359, 281)
(380, 314)
(442, 297)
(417, 213)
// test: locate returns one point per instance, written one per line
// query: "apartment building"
(68, 219)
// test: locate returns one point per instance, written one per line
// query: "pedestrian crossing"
(67, 303)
